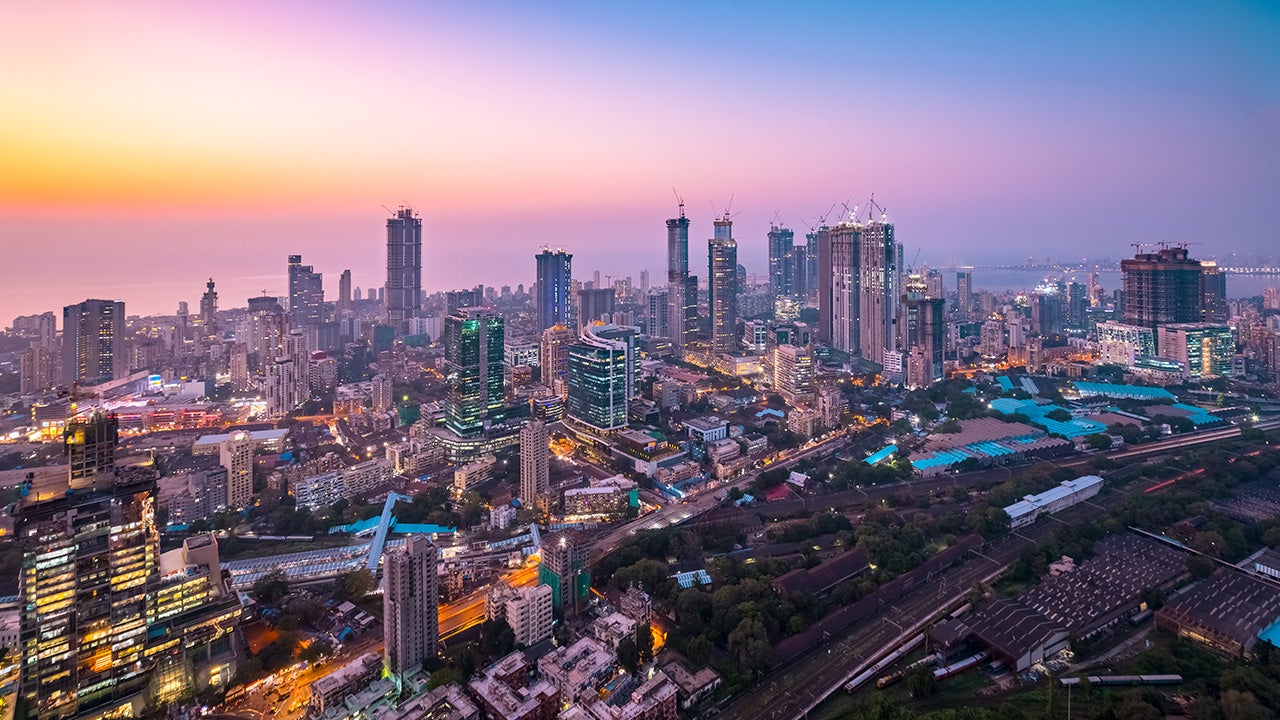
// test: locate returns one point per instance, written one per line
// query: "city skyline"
(981, 113)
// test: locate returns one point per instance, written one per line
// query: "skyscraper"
(306, 294)
(600, 379)
(722, 274)
(473, 357)
(1161, 288)
(554, 303)
(682, 290)
(236, 455)
(1213, 285)
(410, 605)
(382, 393)
(535, 482)
(964, 292)
(781, 242)
(839, 250)
(924, 337)
(344, 293)
(90, 447)
(89, 560)
(92, 350)
(209, 307)
(553, 357)
(281, 389)
(403, 296)
(595, 305)
(880, 288)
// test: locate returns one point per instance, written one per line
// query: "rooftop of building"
(1012, 628)
(705, 423)
(824, 576)
(1231, 604)
(1065, 489)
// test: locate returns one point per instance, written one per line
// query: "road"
(468, 611)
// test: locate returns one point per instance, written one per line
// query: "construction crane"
(679, 201)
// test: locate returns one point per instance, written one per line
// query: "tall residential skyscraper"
(682, 290)
(839, 252)
(91, 342)
(600, 379)
(281, 388)
(382, 397)
(1161, 288)
(403, 296)
(89, 561)
(344, 293)
(781, 242)
(554, 302)
(473, 358)
(722, 275)
(880, 289)
(306, 294)
(535, 478)
(236, 456)
(410, 605)
(964, 292)
(209, 307)
(553, 357)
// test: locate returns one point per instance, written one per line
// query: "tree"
(355, 584)
(920, 682)
(644, 642)
(749, 643)
(497, 638)
(628, 654)
(317, 649)
(271, 588)
(444, 676)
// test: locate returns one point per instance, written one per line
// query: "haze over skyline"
(149, 147)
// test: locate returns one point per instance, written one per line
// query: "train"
(894, 677)
(1123, 680)
(861, 678)
(960, 666)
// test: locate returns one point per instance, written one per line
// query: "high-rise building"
(554, 303)
(410, 605)
(281, 387)
(1077, 304)
(473, 357)
(839, 252)
(1213, 285)
(209, 308)
(1162, 288)
(601, 378)
(90, 447)
(563, 567)
(1122, 344)
(238, 366)
(793, 373)
(306, 294)
(964, 292)
(880, 289)
(595, 305)
(264, 328)
(722, 276)
(682, 289)
(455, 300)
(553, 357)
(344, 293)
(36, 368)
(403, 291)
(298, 350)
(535, 478)
(92, 347)
(90, 550)
(924, 335)
(236, 456)
(781, 242)
(382, 397)
(1204, 349)
(657, 318)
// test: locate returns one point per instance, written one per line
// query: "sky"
(148, 146)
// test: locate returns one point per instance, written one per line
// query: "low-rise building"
(579, 667)
(1070, 492)
(613, 629)
(474, 473)
(707, 429)
(329, 691)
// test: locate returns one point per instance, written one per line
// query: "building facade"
(92, 347)
(722, 277)
(402, 298)
(554, 301)
(410, 604)
(473, 357)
